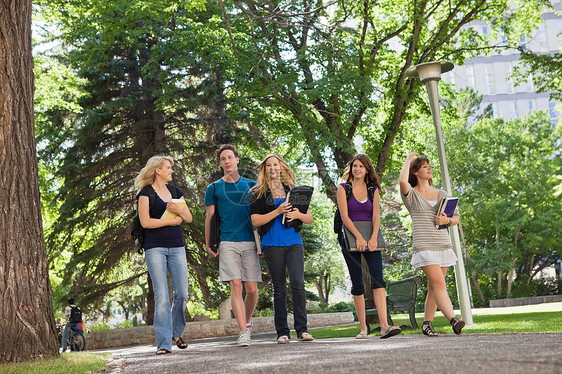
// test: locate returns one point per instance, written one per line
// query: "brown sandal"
(180, 343)
(428, 330)
(457, 325)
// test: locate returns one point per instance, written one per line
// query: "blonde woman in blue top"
(282, 247)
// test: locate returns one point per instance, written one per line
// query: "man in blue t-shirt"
(238, 259)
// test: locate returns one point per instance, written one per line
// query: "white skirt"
(442, 258)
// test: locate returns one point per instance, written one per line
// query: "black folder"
(299, 197)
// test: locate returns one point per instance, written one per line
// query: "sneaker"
(249, 330)
(244, 338)
(249, 326)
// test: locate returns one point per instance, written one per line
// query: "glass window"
(541, 34)
(532, 105)
(559, 28)
(529, 86)
(470, 75)
(508, 82)
(494, 110)
(503, 36)
(512, 110)
(484, 30)
(490, 79)
(552, 112)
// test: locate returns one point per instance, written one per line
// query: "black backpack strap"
(215, 197)
(173, 190)
(348, 190)
(151, 198)
(371, 188)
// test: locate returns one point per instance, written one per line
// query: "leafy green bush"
(99, 327)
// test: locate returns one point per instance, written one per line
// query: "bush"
(342, 306)
(99, 327)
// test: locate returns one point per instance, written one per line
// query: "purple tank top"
(358, 211)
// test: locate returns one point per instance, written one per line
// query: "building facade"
(490, 76)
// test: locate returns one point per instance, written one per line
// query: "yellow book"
(169, 215)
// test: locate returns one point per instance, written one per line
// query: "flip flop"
(361, 335)
(283, 339)
(306, 337)
(162, 352)
(392, 330)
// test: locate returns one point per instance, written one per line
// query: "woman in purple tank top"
(361, 176)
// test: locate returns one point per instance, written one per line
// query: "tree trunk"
(27, 323)
(318, 284)
(509, 281)
(327, 286)
(530, 273)
(478, 289)
(499, 272)
(149, 317)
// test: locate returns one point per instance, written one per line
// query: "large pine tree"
(153, 86)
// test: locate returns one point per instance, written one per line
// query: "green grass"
(483, 324)
(67, 363)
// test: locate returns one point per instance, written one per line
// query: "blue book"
(447, 205)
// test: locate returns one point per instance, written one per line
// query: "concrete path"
(448, 353)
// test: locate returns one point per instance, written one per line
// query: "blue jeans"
(279, 259)
(65, 334)
(374, 261)
(168, 322)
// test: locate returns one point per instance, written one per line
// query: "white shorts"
(239, 260)
(442, 258)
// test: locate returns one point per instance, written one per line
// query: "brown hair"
(223, 148)
(414, 167)
(287, 176)
(370, 177)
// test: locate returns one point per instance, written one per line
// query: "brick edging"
(525, 301)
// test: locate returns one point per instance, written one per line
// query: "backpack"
(75, 314)
(137, 231)
(338, 222)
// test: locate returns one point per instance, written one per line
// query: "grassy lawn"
(483, 324)
(68, 363)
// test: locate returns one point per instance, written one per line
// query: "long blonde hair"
(287, 176)
(148, 173)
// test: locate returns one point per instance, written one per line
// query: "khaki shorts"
(239, 260)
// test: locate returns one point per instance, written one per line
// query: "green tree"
(336, 70)
(508, 177)
(143, 78)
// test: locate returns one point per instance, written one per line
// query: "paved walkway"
(448, 353)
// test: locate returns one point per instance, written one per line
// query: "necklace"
(278, 193)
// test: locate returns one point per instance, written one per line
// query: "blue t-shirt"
(165, 236)
(234, 208)
(279, 235)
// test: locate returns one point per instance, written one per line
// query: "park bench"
(401, 297)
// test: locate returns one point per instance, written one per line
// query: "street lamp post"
(429, 74)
